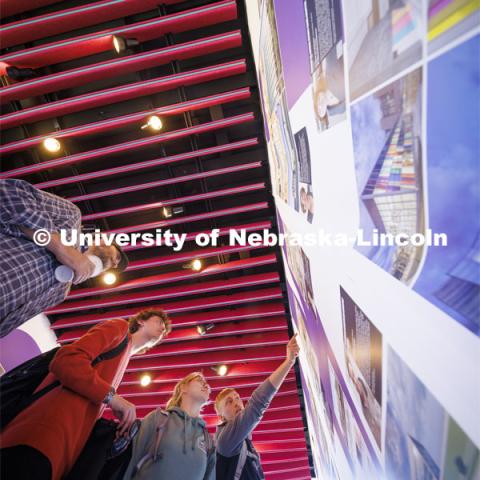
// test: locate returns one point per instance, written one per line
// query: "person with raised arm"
(237, 458)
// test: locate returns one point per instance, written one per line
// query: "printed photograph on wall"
(299, 265)
(386, 129)
(450, 277)
(325, 44)
(415, 425)
(384, 37)
(450, 19)
(319, 416)
(280, 143)
(461, 457)
(360, 459)
(363, 357)
(305, 204)
(421, 440)
(316, 59)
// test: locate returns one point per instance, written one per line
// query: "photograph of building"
(383, 37)
(390, 182)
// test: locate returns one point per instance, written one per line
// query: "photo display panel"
(372, 123)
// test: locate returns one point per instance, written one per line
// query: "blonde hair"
(176, 398)
(221, 396)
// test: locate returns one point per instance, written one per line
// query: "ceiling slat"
(191, 305)
(119, 94)
(121, 66)
(50, 24)
(93, 43)
(122, 121)
(164, 293)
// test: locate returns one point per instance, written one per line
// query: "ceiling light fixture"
(52, 145)
(220, 370)
(154, 122)
(203, 329)
(168, 212)
(109, 278)
(120, 44)
(196, 265)
(145, 380)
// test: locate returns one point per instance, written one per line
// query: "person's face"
(231, 406)
(109, 255)
(153, 330)
(198, 390)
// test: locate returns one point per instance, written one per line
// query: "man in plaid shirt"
(27, 271)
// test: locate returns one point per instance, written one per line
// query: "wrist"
(109, 396)
(55, 245)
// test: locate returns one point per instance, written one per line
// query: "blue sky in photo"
(453, 164)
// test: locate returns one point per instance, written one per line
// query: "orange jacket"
(59, 423)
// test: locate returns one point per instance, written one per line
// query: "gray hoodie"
(182, 453)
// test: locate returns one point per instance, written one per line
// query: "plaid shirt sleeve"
(27, 271)
(24, 205)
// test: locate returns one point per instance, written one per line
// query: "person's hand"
(125, 412)
(292, 349)
(71, 257)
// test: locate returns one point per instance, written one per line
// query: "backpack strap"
(111, 353)
(103, 356)
(242, 459)
(161, 419)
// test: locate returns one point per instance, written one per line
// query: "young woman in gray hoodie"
(174, 443)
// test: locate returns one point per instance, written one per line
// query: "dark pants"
(24, 463)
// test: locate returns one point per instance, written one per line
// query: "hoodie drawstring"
(184, 434)
(193, 437)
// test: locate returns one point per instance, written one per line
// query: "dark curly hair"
(134, 325)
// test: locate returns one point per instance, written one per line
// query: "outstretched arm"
(279, 375)
(230, 437)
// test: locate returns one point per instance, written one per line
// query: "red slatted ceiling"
(24, 31)
(133, 63)
(171, 307)
(129, 146)
(118, 94)
(170, 277)
(122, 121)
(14, 7)
(91, 44)
(149, 163)
(191, 333)
(237, 372)
(163, 293)
(238, 292)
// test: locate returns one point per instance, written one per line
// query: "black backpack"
(17, 387)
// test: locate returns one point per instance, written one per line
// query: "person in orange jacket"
(44, 441)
